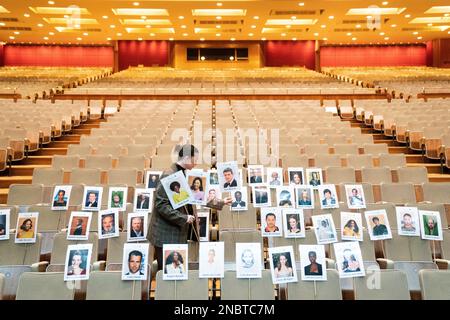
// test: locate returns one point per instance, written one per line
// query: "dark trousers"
(159, 256)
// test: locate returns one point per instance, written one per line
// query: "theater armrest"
(39, 266)
(385, 263)
(442, 264)
(99, 265)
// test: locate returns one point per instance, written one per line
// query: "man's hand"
(190, 219)
(227, 201)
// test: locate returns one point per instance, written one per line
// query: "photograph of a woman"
(175, 264)
(282, 264)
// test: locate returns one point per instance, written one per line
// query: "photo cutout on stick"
(408, 221)
(177, 189)
(378, 225)
(5, 216)
(351, 226)
(328, 196)
(274, 177)
(92, 198)
(430, 225)
(198, 183)
(79, 225)
(117, 198)
(213, 177)
(135, 261)
(294, 223)
(255, 174)
(349, 259)
(211, 260)
(304, 197)
(324, 229)
(354, 193)
(203, 224)
(152, 178)
(229, 177)
(271, 222)
(26, 229)
(108, 223)
(143, 200)
(285, 197)
(314, 177)
(282, 264)
(78, 262)
(261, 196)
(239, 200)
(313, 266)
(175, 262)
(214, 197)
(248, 260)
(61, 198)
(296, 177)
(137, 226)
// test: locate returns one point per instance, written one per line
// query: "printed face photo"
(79, 225)
(255, 174)
(351, 226)
(26, 229)
(211, 258)
(143, 200)
(349, 259)
(177, 189)
(312, 262)
(135, 264)
(92, 198)
(78, 259)
(328, 197)
(175, 262)
(61, 196)
(271, 222)
(285, 197)
(355, 196)
(378, 224)
(108, 223)
(239, 200)
(248, 260)
(314, 176)
(137, 226)
(229, 178)
(305, 197)
(213, 197)
(324, 229)
(294, 225)
(430, 225)
(4, 224)
(261, 196)
(295, 176)
(198, 184)
(118, 198)
(274, 177)
(152, 179)
(282, 265)
(213, 178)
(408, 221)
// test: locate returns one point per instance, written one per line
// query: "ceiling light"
(40, 25)
(139, 39)
(218, 17)
(119, 34)
(148, 26)
(250, 34)
(369, 17)
(183, 27)
(293, 17)
(16, 32)
(284, 22)
(374, 11)
(218, 34)
(349, 33)
(51, 33)
(323, 26)
(331, 17)
(256, 17)
(140, 12)
(294, 39)
(382, 33)
(109, 39)
(112, 26)
(219, 12)
(136, 4)
(218, 26)
(354, 39)
(447, 14)
(407, 16)
(393, 25)
(232, 39)
(263, 39)
(152, 34)
(202, 58)
(431, 20)
(358, 26)
(85, 34)
(202, 39)
(51, 2)
(12, 38)
(26, 15)
(143, 17)
(170, 39)
(105, 17)
(385, 3)
(316, 34)
(253, 27)
(415, 33)
(301, 4)
(283, 34)
(231, 58)
(185, 34)
(45, 38)
(386, 38)
(325, 39)
(430, 24)
(438, 9)
(288, 26)
(419, 38)
(79, 39)
(219, 4)
(2, 24)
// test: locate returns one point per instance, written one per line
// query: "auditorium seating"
(44, 286)
(434, 284)
(193, 289)
(247, 289)
(389, 285)
(316, 290)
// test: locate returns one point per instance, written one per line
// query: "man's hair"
(140, 219)
(63, 191)
(135, 253)
(187, 150)
(327, 191)
(227, 170)
(237, 193)
(354, 189)
(270, 214)
(173, 185)
(111, 215)
(375, 218)
(407, 214)
(312, 253)
(92, 192)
